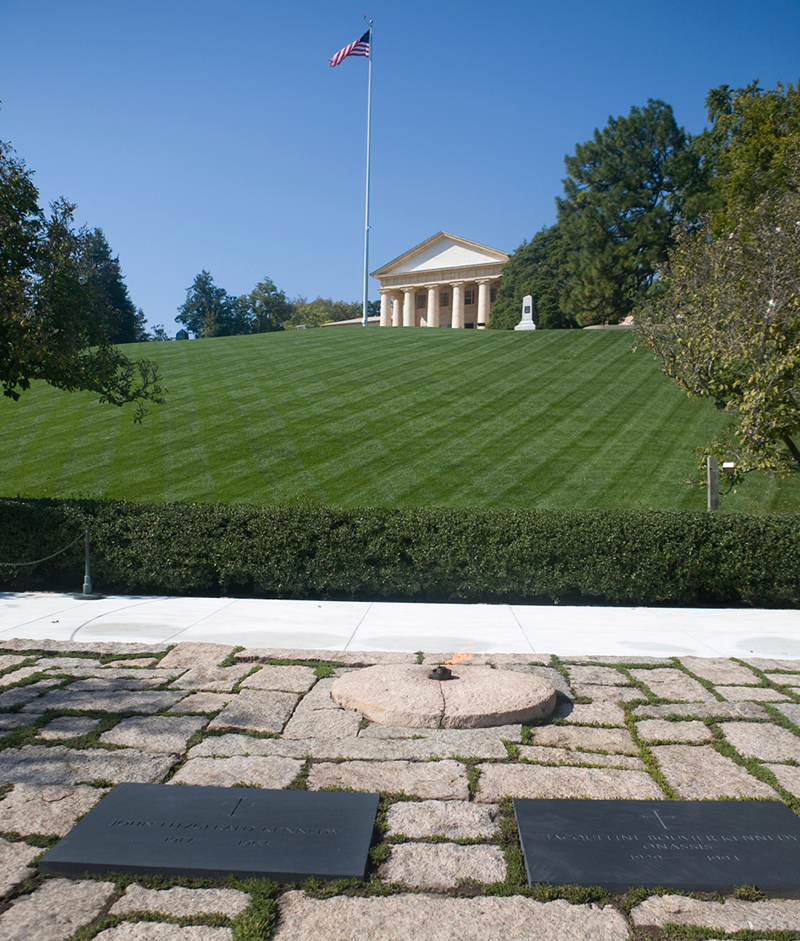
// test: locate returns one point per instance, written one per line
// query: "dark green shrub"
(609, 556)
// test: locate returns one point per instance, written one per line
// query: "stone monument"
(472, 697)
(527, 314)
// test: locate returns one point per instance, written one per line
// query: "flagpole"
(366, 212)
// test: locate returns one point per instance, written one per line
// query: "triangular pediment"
(442, 251)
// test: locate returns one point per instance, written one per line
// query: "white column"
(483, 305)
(457, 321)
(397, 310)
(386, 309)
(408, 308)
(433, 305)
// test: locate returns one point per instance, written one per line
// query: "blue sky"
(201, 134)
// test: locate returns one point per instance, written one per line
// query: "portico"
(445, 281)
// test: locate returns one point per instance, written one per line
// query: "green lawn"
(376, 417)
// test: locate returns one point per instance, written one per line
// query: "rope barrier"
(47, 557)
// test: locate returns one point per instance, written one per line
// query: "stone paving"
(76, 719)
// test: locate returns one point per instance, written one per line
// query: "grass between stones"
(254, 923)
(646, 755)
(752, 766)
(673, 932)
(767, 683)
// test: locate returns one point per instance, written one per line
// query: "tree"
(314, 314)
(725, 323)
(751, 147)
(106, 295)
(46, 329)
(265, 308)
(625, 192)
(538, 268)
(208, 311)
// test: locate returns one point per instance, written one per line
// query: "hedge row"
(613, 556)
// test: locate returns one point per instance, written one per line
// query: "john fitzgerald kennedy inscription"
(212, 832)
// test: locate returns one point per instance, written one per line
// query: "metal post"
(712, 480)
(87, 594)
(87, 578)
(366, 213)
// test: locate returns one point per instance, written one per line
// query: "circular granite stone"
(475, 698)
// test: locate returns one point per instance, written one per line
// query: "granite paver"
(720, 670)
(596, 676)
(160, 931)
(253, 770)
(181, 902)
(155, 733)
(39, 764)
(660, 730)
(65, 727)
(202, 702)
(610, 694)
(788, 776)
(529, 780)
(762, 740)
(751, 694)
(9, 679)
(13, 720)
(11, 660)
(400, 917)
(192, 654)
(441, 780)
(332, 749)
(54, 911)
(724, 710)
(442, 865)
(256, 711)
(586, 739)
(289, 679)
(116, 701)
(53, 808)
(784, 679)
(697, 773)
(546, 754)
(323, 723)
(730, 915)
(673, 684)
(770, 663)
(791, 710)
(593, 713)
(212, 679)
(453, 819)
(14, 859)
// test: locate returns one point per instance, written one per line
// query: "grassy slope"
(383, 417)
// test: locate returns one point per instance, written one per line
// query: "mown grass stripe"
(557, 419)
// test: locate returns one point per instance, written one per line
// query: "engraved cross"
(659, 818)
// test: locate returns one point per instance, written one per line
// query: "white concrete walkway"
(354, 625)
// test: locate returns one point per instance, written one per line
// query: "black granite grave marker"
(212, 832)
(700, 846)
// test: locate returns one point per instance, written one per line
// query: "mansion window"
(444, 298)
(421, 302)
(492, 295)
(469, 297)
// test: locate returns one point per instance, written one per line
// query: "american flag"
(358, 48)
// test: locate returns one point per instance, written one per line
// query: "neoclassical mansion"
(445, 281)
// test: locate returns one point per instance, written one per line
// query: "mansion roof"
(442, 254)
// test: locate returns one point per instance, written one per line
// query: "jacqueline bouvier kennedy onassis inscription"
(700, 846)
(212, 832)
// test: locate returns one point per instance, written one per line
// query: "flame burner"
(441, 673)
